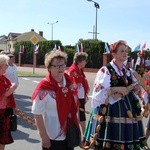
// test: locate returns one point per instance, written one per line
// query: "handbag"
(73, 135)
(13, 122)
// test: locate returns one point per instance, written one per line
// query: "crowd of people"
(118, 102)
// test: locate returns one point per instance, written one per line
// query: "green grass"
(26, 73)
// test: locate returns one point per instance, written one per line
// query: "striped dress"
(118, 130)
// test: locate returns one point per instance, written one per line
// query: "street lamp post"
(52, 28)
(97, 7)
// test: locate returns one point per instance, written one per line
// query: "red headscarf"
(5, 84)
(64, 97)
(79, 76)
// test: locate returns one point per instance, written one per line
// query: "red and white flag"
(59, 48)
(22, 49)
(143, 47)
(81, 48)
(36, 51)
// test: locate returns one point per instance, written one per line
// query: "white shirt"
(48, 108)
(81, 91)
(11, 74)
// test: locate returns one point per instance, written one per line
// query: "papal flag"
(77, 48)
(55, 48)
(81, 48)
(136, 48)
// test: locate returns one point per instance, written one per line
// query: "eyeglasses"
(123, 51)
(59, 66)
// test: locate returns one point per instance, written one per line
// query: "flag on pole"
(22, 49)
(107, 48)
(59, 49)
(36, 51)
(55, 48)
(143, 48)
(81, 48)
(77, 48)
(136, 48)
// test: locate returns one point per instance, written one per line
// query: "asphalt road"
(26, 137)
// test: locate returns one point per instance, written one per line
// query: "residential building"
(7, 43)
(3, 43)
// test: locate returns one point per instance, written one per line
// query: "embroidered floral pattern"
(98, 87)
(53, 94)
(131, 146)
(113, 77)
(65, 91)
(42, 94)
(107, 73)
(103, 70)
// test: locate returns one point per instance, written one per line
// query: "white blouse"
(47, 107)
(102, 85)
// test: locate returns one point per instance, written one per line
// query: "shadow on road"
(20, 135)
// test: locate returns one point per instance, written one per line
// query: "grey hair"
(79, 57)
(3, 59)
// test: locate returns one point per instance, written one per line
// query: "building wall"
(3, 46)
(10, 46)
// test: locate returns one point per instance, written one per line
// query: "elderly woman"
(7, 103)
(76, 71)
(54, 101)
(116, 107)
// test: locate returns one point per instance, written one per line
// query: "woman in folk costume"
(76, 71)
(7, 103)
(54, 101)
(116, 117)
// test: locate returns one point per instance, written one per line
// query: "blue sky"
(127, 20)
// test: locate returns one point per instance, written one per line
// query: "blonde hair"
(50, 56)
(3, 59)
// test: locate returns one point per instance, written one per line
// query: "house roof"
(3, 39)
(13, 35)
(28, 35)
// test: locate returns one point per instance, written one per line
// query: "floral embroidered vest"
(117, 80)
